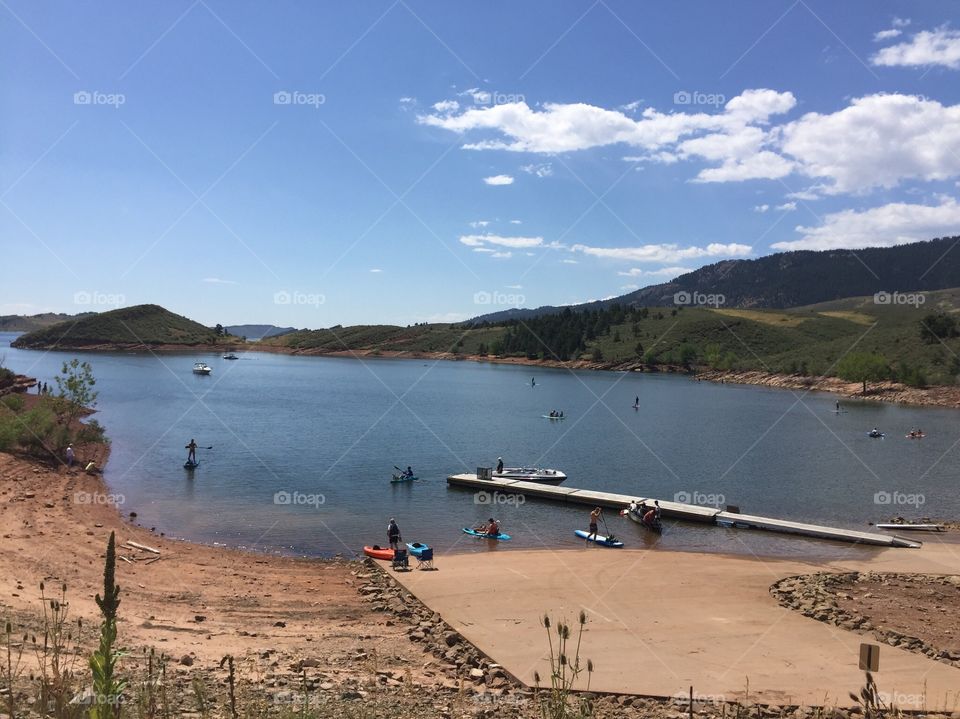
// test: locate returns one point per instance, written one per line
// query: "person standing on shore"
(70, 456)
(192, 453)
(393, 534)
(594, 519)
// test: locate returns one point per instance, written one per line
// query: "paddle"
(610, 536)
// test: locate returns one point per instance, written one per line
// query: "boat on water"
(635, 513)
(230, 356)
(202, 368)
(531, 474)
(398, 478)
(483, 535)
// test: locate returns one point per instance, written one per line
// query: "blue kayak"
(398, 478)
(475, 533)
(599, 539)
(416, 548)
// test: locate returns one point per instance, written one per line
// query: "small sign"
(870, 657)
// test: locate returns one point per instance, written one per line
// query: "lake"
(325, 433)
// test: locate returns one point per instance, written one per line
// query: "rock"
(309, 662)
(186, 660)
(351, 695)
(280, 624)
(451, 639)
(199, 618)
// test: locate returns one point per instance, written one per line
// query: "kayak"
(191, 465)
(475, 533)
(378, 552)
(915, 436)
(599, 539)
(397, 479)
(415, 548)
(878, 435)
(547, 416)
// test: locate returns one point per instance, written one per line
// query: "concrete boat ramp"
(677, 510)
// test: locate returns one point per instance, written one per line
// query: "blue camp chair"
(400, 560)
(425, 559)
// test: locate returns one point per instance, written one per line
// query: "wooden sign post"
(870, 657)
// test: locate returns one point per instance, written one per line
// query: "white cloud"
(887, 34)
(218, 281)
(664, 252)
(479, 97)
(786, 207)
(929, 47)
(896, 223)
(499, 180)
(502, 255)
(570, 262)
(901, 22)
(515, 243)
(516, 222)
(407, 100)
(543, 170)
(446, 106)
(479, 223)
(668, 272)
(761, 208)
(579, 126)
(877, 141)
(376, 269)
(632, 106)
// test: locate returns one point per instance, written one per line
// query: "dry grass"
(767, 317)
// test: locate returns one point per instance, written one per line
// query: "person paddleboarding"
(192, 453)
(594, 519)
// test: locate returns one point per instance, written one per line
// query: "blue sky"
(319, 163)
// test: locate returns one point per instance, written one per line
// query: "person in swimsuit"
(594, 518)
(192, 454)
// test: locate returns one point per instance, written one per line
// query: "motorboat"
(635, 513)
(531, 474)
(230, 356)
(202, 368)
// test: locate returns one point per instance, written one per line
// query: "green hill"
(390, 338)
(142, 325)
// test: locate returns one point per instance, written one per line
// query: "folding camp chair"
(400, 560)
(425, 559)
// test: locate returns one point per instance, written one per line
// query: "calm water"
(335, 427)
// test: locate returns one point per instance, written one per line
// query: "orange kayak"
(378, 552)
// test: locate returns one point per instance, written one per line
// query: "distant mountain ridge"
(258, 332)
(793, 279)
(28, 323)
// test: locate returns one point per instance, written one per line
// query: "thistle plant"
(107, 688)
(564, 671)
(11, 667)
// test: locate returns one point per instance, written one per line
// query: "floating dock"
(677, 510)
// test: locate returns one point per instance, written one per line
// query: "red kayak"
(378, 552)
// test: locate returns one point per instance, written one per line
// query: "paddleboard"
(547, 416)
(415, 548)
(913, 527)
(378, 552)
(839, 411)
(475, 533)
(600, 539)
(190, 465)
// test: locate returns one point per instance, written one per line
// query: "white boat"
(230, 356)
(202, 368)
(531, 474)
